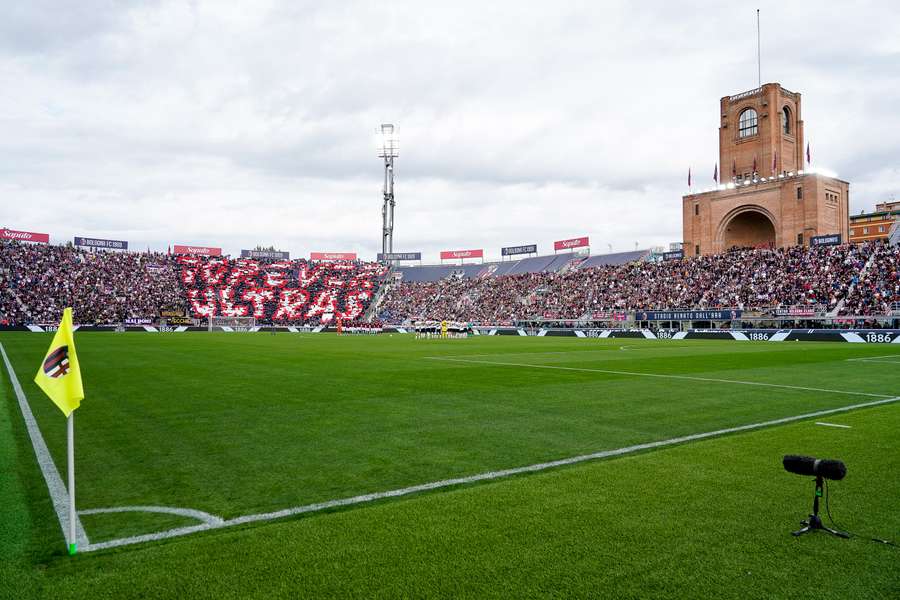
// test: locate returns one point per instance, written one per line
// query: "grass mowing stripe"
(55, 486)
(490, 475)
(659, 375)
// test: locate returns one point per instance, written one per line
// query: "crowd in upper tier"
(38, 280)
(864, 277)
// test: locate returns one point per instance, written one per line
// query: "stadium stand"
(615, 259)
(819, 278)
(38, 280)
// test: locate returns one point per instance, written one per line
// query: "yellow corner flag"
(59, 375)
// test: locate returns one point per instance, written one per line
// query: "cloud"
(239, 123)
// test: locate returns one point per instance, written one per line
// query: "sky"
(245, 123)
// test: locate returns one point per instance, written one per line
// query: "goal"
(232, 323)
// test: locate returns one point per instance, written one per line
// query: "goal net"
(233, 323)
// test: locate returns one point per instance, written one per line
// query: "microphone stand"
(815, 522)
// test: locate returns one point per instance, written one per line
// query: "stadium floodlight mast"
(388, 149)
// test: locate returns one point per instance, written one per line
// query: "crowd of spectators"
(293, 292)
(745, 279)
(876, 290)
(37, 281)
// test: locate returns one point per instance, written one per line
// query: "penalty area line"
(487, 476)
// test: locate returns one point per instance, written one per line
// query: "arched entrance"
(748, 227)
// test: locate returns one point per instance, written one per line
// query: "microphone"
(814, 467)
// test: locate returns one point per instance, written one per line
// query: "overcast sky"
(234, 124)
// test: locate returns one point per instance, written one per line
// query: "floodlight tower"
(388, 149)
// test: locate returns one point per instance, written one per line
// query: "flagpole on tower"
(73, 540)
(758, 53)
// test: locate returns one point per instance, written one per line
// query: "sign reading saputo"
(579, 242)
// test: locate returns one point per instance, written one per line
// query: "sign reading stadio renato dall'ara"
(98, 243)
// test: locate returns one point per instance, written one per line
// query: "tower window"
(696, 209)
(799, 193)
(747, 124)
(786, 120)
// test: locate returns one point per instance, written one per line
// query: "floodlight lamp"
(387, 141)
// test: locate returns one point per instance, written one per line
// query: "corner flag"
(60, 378)
(59, 375)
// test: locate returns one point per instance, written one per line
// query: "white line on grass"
(878, 359)
(206, 517)
(833, 425)
(59, 495)
(657, 375)
(490, 475)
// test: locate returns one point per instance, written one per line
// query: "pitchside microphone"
(821, 469)
(814, 467)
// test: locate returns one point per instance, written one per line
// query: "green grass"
(241, 424)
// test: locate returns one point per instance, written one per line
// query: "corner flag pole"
(73, 541)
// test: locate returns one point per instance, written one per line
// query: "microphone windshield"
(813, 467)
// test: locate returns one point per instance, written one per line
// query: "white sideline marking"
(878, 359)
(490, 475)
(59, 495)
(833, 425)
(206, 517)
(657, 375)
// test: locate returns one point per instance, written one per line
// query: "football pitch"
(310, 465)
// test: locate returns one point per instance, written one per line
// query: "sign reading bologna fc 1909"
(200, 250)
(512, 250)
(332, 256)
(276, 254)
(24, 236)
(98, 243)
(833, 239)
(399, 256)
(451, 254)
(580, 242)
(673, 255)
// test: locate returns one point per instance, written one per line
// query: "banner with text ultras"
(581, 242)
(332, 256)
(513, 250)
(833, 239)
(687, 315)
(201, 250)
(98, 243)
(399, 256)
(24, 236)
(451, 254)
(276, 254)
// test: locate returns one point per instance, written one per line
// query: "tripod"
(815, 522)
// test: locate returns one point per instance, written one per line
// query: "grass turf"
(237, 424)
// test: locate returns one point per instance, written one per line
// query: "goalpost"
(232, 323)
